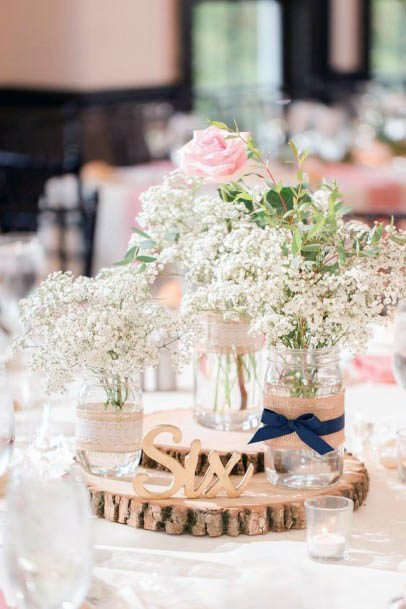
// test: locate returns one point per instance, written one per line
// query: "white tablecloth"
(154, 570)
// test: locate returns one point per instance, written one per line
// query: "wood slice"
(224, 442)
(263, 508)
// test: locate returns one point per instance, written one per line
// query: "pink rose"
(210, 154)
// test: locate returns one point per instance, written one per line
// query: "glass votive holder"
(328, 524)
(401, 453)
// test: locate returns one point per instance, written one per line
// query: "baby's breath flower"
(109, 325)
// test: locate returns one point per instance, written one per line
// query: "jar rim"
(343, 504)
(94, 378)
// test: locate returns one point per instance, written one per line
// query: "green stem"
(241, 381)
(117, 391)
(217, 382)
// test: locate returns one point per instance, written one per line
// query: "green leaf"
(259, 218)
(172, 235)
(274, 199)
(303, 156)
(145, 259)
(131, 252)
(342, 256)
(129, 257)
(311, 247)
(293, 148)
(142, 267)
(317, 227)
(397, 239)
(296, 241)
(376, 234)
(285, 249)
(219, 125)
(140, 232)
(342, 211)
(147, 245)
(331, 268)
(331, 207)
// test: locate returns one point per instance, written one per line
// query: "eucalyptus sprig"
(311, 229)
(136, 252)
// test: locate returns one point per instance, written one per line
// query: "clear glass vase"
(109, 425)
(300, 381)
(228, 376)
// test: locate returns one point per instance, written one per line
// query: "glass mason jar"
(228, 376)
(109, 425)
(299, 381)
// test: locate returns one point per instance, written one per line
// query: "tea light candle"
(327, 545)
(328, 523)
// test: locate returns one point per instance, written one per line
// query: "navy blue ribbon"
(308, 427)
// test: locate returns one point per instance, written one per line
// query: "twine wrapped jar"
(228, 375)
(304, 384)
(109, 426)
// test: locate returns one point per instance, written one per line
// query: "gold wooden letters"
(216, 477)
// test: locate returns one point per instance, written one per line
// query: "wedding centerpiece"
(108, 329)
(282, 260)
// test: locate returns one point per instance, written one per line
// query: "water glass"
(328, 523)
(47, 541)
(401, 453)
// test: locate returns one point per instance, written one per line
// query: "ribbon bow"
(308, 427)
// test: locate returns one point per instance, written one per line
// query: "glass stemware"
(7, 424)
(399, 354)
(47, 541)
(398, 603)
(21, 265)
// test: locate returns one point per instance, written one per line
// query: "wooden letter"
(223, 476)
(180, 473)
(216, 477)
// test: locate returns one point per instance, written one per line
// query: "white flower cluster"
(221, 252)
(228, 264)
(313, 310)
(108, 325)
(235, 267)
(168, 216)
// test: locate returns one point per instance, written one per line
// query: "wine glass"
(47, 541)
(7, 424)
(21, 266)
(399, 354)
(399, 370)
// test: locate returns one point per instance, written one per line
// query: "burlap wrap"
(324, 408)
(101, 430)
(228, 337)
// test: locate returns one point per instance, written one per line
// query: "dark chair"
(37, 143)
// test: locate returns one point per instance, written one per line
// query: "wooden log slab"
(224, 442)
(263, 508)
